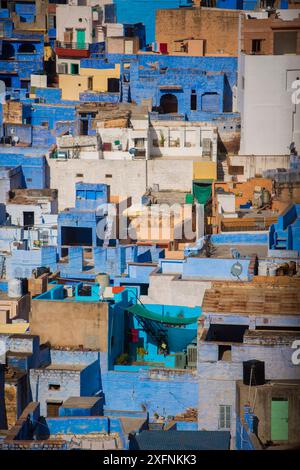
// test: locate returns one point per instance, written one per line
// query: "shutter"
(210, 102)
(62, 68)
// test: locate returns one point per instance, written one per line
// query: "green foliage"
(123, 359)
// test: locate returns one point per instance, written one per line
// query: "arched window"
(8, 51)
(169, 104)
(27, 48)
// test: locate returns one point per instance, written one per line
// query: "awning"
(145, 313)
(202, 191)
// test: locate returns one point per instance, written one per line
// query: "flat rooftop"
(80, 402)
(68, 367)
(252, 301)
(245, 251)
(30, 196)
(183, 440)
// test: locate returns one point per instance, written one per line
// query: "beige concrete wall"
(257, 164)
(166, 289)
(218, 27)
(72, 85)
(125, 178)
(101, 76)
(65, 324)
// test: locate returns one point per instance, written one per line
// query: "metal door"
(279, 419)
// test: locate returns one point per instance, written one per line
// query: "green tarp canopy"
(145, 313)
(202, 191)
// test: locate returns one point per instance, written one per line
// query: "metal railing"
(72, 45)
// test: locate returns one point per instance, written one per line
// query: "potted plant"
(140, 353)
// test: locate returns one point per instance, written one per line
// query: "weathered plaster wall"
(83, 323)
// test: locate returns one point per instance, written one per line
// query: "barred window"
(224, 417)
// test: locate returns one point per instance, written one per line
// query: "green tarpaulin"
(202, 192)
(145, 313)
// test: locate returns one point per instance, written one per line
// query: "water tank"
(262, 269)
(266, 197)
(14, 288)
(253, 372)
(103, 279)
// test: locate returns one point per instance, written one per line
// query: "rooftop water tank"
(103, 279)
(14, 288)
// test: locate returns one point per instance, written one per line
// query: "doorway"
(80, 38)
(169, 104)
(53, 408)
(28, 219)
(279, 419)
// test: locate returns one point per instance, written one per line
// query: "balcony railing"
(72, 45)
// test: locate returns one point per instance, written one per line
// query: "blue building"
(31, 164)
(285, 234)
(22, 54)
(164, 383)
(80, 226)
(184, 88)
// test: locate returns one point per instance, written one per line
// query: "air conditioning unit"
(63, 154)
(180, 360)
(206, 145)
(192, 355)
(62, 68)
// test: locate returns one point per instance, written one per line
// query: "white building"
(270, 118)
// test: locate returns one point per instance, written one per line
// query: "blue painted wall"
(178, 76)
(34, 168)
(21, 262)
(168, 395)
(285, 234)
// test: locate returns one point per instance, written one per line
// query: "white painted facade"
(125, 178)
(73, 18)
(257, 164)
(270, 119)
(40, 209)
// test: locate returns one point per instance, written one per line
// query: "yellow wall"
(14, 328)
(72, 85)
(100, 76)
(205, 171)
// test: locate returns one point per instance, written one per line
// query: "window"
(285, 42)
(193, 102)
(224, 417)
(74, 69)
(54, 387)
(256, 46)
(28, 219)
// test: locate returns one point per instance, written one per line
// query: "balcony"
(72, 49)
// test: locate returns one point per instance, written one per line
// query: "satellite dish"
(132, 151)
(236, 269)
